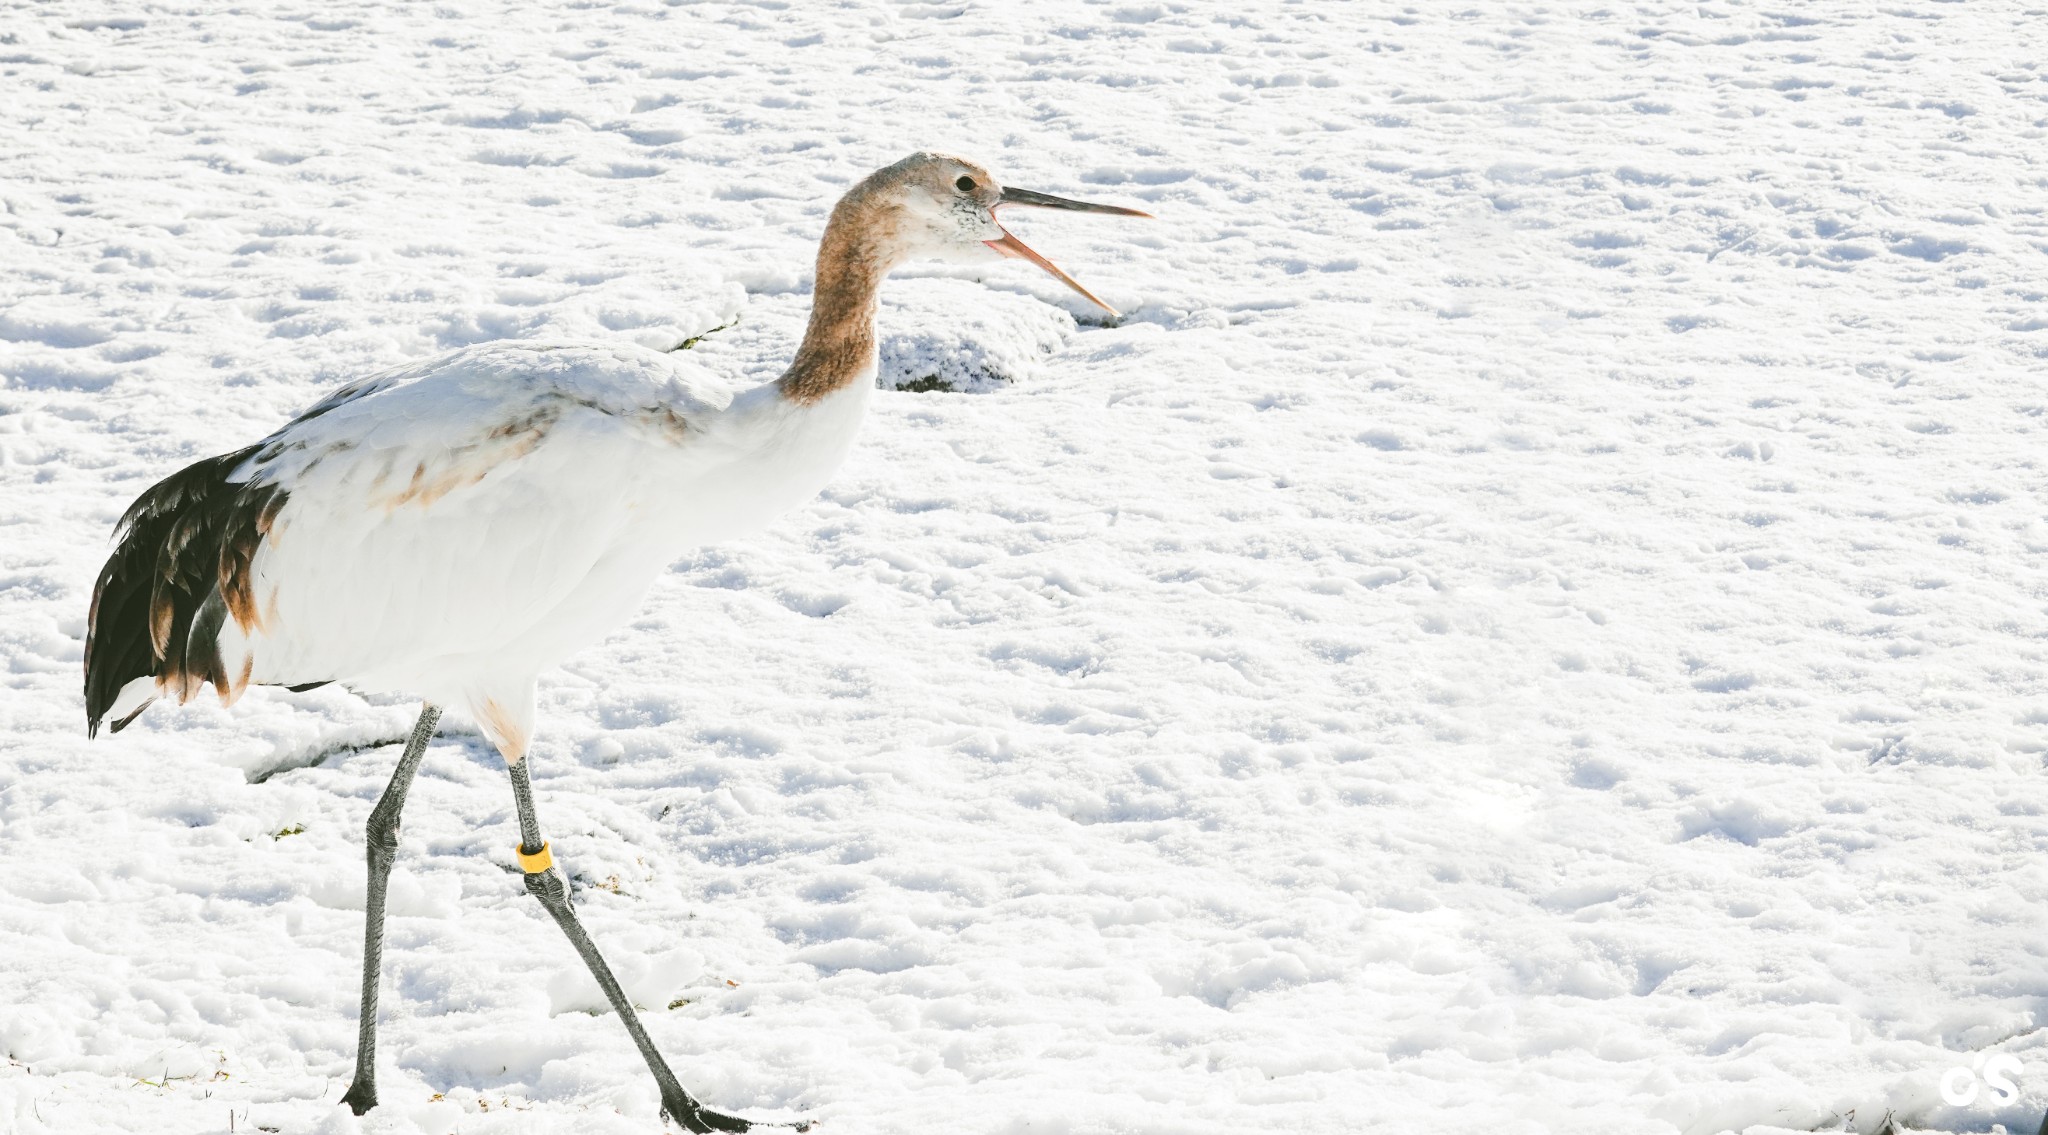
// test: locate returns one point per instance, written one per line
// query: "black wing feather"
(177, 549)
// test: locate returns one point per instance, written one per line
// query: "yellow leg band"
(536, 862)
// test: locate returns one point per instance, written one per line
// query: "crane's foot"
(698, 1118)
(695, 1117)
(361, 1097)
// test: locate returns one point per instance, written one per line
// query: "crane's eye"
(964, 185)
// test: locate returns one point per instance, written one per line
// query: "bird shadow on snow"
(347, 743)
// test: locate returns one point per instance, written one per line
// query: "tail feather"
(130, 701)
(182, 561)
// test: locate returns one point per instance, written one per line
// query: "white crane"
(451, 528)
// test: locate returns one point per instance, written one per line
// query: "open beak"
(1010, 246)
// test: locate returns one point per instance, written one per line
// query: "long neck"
(839, 344)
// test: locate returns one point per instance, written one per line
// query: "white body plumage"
(454, 527)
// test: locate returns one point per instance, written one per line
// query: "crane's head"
(937, 205)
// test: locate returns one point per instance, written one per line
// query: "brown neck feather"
(839, 344)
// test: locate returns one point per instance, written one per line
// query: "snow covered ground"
(1533, 623)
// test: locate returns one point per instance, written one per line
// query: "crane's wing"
(432, 511)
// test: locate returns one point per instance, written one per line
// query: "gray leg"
(546, 883)
(381, 837)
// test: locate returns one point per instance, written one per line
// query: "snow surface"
(1533, 622)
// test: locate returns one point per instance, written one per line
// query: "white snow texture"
(1533, 621)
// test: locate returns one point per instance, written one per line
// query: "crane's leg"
(546, 883)
(381, 838)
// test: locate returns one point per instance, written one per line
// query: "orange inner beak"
(1010, 246)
